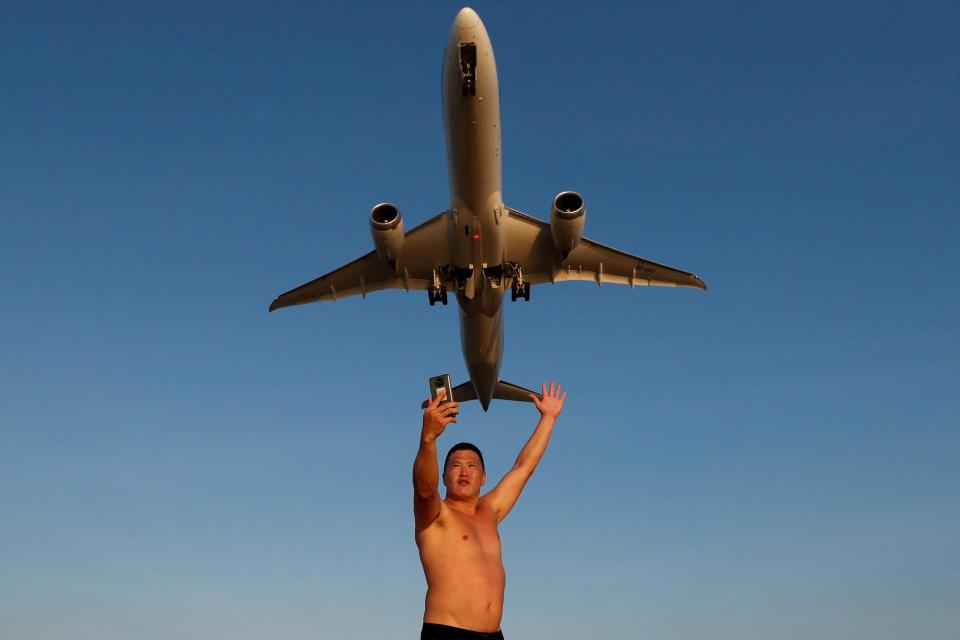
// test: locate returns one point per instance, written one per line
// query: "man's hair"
(461, 446)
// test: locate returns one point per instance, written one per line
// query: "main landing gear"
(437, 291)
(520, 288)
(520, 291)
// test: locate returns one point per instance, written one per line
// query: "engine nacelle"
(566, 220)
(386, 227)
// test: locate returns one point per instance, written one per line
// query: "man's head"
(463, 471)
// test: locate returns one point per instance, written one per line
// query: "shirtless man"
(457, 536)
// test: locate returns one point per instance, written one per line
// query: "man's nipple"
(465, 536)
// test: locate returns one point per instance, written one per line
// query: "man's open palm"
(550, 402)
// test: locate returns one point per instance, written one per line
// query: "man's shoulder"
(439, 522)
(485, 504)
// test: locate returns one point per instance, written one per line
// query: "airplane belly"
(481, 338)
(471, 108)
(477, 234)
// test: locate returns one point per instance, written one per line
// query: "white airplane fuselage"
(471, 110)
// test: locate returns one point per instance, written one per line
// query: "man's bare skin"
(457, 536)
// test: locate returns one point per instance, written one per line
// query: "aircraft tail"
(503, 391)
(464, 392)
(508, 391)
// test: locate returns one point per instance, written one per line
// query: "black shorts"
(433, 631)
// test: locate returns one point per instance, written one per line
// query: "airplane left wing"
(425, 247)
(530, 245)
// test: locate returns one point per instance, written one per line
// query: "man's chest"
(472, 533)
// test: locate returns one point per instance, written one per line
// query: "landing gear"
(520, 291)
(468, 67)
(520, 288)
(437, 292)
(437, 295)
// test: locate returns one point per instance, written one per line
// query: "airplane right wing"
(530, 245)
(425, 247)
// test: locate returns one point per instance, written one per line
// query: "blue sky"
(774, 458)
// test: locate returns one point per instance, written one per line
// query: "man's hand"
(438, 415)
(550, 403)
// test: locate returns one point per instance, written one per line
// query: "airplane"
(478, 248)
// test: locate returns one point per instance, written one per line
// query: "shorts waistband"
(433, 631)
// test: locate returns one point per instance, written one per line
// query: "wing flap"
(363, 275)
(425, 247)
(531, 246)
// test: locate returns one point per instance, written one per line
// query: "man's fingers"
(437, 400)
(552, 392)
(445, 412)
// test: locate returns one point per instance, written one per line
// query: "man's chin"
(460, 492)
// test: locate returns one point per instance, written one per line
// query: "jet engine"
(566, 220)
(386, 227)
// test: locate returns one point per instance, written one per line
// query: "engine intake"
(566, 220)
(386, 227)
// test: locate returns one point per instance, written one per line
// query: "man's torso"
(461, 558)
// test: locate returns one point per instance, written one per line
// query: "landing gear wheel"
(520, 290)
(437, 295)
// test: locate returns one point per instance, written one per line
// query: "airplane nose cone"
(466, 19)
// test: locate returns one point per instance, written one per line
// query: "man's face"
(464, 474)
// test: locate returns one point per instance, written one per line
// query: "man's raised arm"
(505, 494)
(426, 476)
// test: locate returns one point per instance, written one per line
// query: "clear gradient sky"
(775, 458)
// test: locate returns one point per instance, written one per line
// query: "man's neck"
(468, 505)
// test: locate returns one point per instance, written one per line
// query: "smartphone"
(441, 382)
